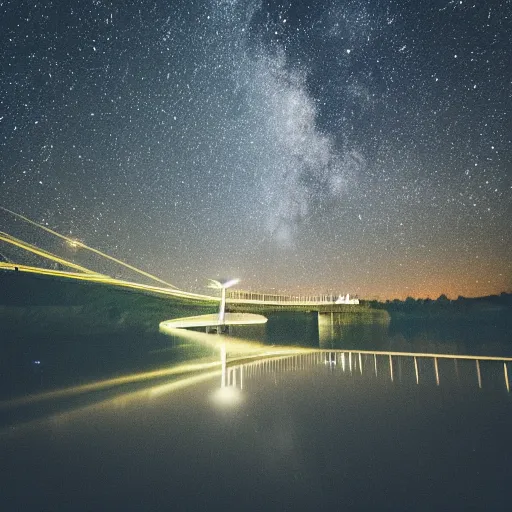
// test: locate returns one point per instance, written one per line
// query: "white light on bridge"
(73, 244)
(222, 286)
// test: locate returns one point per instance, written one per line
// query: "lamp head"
(222, 283)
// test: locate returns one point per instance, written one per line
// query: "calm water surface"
(322, 429)
(295, 433)
(33, 364)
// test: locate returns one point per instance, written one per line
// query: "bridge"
(239, 300)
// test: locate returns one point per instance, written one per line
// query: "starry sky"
(360, 146)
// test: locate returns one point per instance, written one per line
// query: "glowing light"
(222, 284)
(73, 244)
(82, 245)
(212, 320)
(109, 383)
(92, 276)
(4, 237)
(228, 396)
(479, 374)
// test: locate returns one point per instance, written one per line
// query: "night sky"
(353, 146)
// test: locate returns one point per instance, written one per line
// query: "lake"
(328, 424)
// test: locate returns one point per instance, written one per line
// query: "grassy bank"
(42, 304)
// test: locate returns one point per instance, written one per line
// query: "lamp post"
(222, 285)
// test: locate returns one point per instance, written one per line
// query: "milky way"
(347, 146)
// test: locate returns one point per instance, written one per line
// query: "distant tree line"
(443, 303)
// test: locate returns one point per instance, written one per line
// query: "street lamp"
(73, 244)
(222, 285)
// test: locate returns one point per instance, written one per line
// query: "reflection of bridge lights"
(227, 396)
(393, 365)
(330, 359)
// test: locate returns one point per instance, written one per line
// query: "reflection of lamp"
(223, 361)
(222, 286)
(228, 395)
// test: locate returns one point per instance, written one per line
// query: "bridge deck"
(212, 320)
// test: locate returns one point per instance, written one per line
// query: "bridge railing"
(272, 297)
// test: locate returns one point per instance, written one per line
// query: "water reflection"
(439, 369)
(292, 430)
(37, 364)
(369, 329)
(337, 335)
(347, 328)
